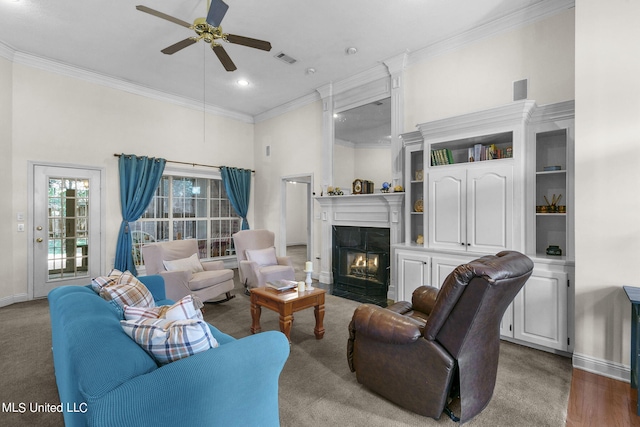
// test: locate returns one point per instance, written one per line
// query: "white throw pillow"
(263, 257)
(191, 264)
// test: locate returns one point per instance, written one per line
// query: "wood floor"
(599, 401)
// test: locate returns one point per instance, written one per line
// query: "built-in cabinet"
(475, 185)
(470, 208)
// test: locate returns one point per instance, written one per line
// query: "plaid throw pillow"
(182, 310)
(97, 283)
(128, 290)
(170, 340)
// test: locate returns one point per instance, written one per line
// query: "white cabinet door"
(489, 209)
(471, 209)
(447, 207)
(413, 271)
(540, 310)
(506, 325)
(442, 267)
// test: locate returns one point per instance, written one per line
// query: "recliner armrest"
(385, 325)
(424, 298)
(285, 260)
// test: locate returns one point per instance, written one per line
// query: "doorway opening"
(296, 223)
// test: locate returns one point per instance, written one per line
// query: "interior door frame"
(31, 215)
(303, 179)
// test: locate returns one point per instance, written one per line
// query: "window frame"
(170, 218)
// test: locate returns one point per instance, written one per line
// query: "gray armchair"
(184, 274)
(257, 259)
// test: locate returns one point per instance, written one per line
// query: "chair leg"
(451, 415)
(228, 298)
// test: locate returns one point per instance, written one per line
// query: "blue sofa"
(106, 380)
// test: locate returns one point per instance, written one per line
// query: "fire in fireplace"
(361, 263)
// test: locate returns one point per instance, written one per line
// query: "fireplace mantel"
(383, 210)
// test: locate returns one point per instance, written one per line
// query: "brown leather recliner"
(444, 343)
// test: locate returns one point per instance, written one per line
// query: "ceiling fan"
(209, 30)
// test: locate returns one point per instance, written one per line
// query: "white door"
(540, 310)
(413, 272)
(66, 227)
(447, 207)
(489, 209)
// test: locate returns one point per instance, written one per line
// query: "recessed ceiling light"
(310, 70)
(351, 51)
(243, 82)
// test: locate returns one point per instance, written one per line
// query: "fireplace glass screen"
(361, 263)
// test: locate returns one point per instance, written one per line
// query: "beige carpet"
(317, 388)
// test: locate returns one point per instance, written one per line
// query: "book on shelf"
(282, 285)
(475, 153)
(480, 152)
(443, 156)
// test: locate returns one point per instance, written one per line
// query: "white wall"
(481, 75)
(295, 139)
(60, 119)
(607, 195)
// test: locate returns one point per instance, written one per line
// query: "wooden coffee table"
(286, 303)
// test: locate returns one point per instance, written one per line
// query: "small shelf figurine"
(385, 187)
(553, 206)
(334, 191)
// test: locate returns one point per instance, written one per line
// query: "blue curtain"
(237, 183)
(139, 179)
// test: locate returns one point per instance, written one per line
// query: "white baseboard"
(12, 299)
(605, 368)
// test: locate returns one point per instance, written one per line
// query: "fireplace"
(361, 263)
(372, 212)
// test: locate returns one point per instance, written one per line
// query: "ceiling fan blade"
(217, 10)
(223, 56)
(179, 46)
(163, 16)
(247, 41)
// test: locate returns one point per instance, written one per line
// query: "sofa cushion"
(263, 257)
(209, 278)
(128, 290)
(191, 264)
(170, 340)
(181, 310)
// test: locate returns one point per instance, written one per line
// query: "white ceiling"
(113, 39)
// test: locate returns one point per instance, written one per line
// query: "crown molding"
(509, 22)
(6, 52)
(513, 113)
(118, 84)
(286, 107)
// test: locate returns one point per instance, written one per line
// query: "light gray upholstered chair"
(257, 259)
(208, 284)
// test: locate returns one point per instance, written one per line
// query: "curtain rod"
(190, 164)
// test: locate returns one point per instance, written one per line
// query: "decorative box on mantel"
(382, 210)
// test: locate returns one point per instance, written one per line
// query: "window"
(187, 207)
